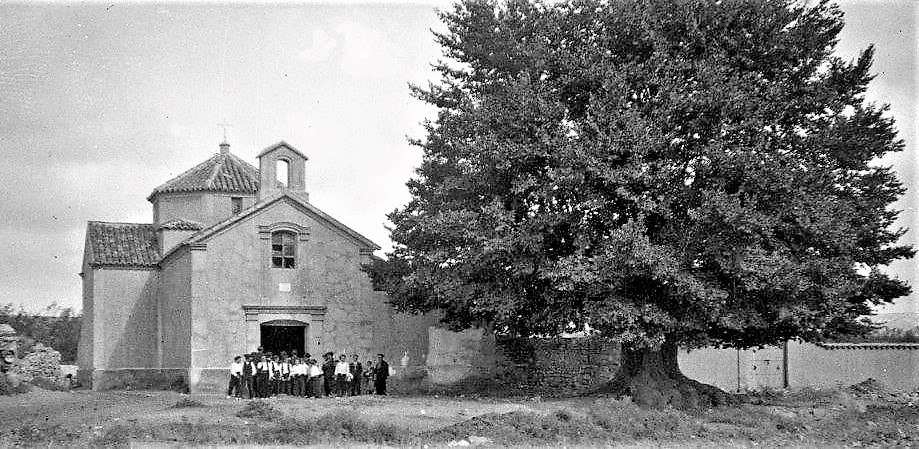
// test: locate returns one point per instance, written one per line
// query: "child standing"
(317, 379)
(236, 374)
(342, 376)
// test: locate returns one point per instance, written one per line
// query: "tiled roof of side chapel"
(128, 245)
(223, 172)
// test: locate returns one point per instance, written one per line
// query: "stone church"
(235, 258)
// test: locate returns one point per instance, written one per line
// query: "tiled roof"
(131, 245)
(224, 172)
(181, 225)
(831, 346)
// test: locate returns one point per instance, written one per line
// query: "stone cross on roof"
(225, 125)
(224, 146)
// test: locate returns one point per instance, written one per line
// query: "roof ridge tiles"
(218, 167)
(219, 173)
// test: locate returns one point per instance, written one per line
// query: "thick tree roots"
(653, 379)
(679, 392)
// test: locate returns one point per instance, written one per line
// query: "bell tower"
(282, 169)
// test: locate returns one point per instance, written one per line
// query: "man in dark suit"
(357, 374)
(382, 373)
(328, 372)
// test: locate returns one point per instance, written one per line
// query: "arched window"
(282, 172)
(283, 249)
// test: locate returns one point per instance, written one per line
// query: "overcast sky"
(100, 103)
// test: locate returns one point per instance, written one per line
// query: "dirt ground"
(840, 418)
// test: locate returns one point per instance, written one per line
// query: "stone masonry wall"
(561, 366)
(550, 366)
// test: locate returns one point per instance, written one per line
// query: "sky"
(101, 103)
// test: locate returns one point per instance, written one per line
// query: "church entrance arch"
(285, 327)
(284, 336)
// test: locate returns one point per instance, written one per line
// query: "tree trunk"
(652, 378)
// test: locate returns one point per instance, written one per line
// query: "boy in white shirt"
(284, 375)
(343, 376)
(296, 377)
(316, 379)
(236, 374)
(262, 377)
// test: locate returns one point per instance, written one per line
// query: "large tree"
(669, 174)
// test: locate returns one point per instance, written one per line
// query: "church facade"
(235, 258)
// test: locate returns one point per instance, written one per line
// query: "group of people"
(263, 374)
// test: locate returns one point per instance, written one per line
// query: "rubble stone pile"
(873, 390)
(43, 362)
(10, 366)
(9, 341)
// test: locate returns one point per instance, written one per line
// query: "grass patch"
(260, 410)
(188, 403)
(620, 423)
(337, 427)
(41, 434)
(815, 418)
(350, 426)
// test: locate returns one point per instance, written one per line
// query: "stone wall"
(551, 366)
(560, 366)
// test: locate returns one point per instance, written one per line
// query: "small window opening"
(237, 204)
(283, 249)
(282, 173)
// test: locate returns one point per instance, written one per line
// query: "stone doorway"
(308, 320)
(284, 336)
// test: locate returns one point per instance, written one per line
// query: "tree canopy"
(698, 172)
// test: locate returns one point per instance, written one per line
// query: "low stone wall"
(562, 366)
(546, 366)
